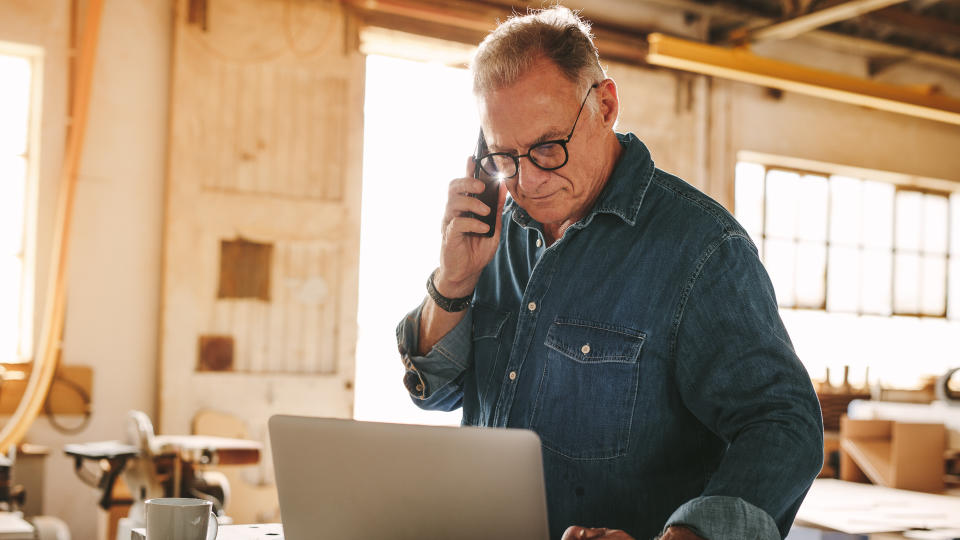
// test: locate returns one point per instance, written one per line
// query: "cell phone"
(491, 190)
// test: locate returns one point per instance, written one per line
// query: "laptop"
(350, 480)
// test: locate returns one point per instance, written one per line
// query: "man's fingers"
(465, 185)
(463, 225)
(463, 203)
(575, 532)
(457, 207)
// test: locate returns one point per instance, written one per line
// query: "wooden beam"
(619, 44)
(469, 22)
(920, 5)
(731, 12)
(918, 24)
(41, 374)
(741, 65)
(802, 24)
(465, 15)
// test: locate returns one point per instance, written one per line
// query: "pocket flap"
(591, 342)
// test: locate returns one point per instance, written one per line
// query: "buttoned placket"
(533, 296)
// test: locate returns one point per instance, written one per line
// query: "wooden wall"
(264, 148)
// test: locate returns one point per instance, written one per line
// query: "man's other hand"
(586, 533)
(680, 533)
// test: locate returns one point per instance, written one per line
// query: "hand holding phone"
(491, 190)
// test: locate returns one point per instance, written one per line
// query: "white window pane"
(811, 274)
(749, 198)
(909, 219)
(14, 104)
(954, 295)
(935, 224)
(906, 290)
(955, 224)
(843, 275)
(876, 281)
(13, 171)
(845, 210)
(933, 296)
(9, 307)
(780, 261)
(878, 214)
(812, 208)
(782, 187)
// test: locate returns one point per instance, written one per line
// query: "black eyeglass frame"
(562, 142)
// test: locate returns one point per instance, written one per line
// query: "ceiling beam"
(469, 22)
(741, 65)
(919, 24)
(920, 5)
(730, 12)
(819, 18)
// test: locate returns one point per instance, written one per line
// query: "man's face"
(543, 106)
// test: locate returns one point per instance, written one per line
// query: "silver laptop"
(347, 480)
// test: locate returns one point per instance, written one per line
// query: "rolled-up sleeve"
(738, 374)
(720, 518)
(435, 380)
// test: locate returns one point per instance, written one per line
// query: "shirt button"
(539, 242)
(513, 375)
(419, 388)
(532, 306)
(585, 349)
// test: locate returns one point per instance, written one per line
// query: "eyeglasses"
(548, 155)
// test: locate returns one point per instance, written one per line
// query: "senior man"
(617, 311)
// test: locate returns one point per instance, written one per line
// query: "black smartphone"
(491, 190)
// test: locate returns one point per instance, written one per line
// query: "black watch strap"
(452, 305)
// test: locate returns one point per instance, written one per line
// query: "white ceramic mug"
(180, 519)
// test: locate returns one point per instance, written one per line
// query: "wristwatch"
(451, 305)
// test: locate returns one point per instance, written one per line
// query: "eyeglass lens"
(547, 156)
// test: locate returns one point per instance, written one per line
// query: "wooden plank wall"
(265, 146)
(296, 331)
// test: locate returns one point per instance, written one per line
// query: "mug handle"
(212, 527)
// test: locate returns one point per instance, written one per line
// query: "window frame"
(861, 175)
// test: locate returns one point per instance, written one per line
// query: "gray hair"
(556, 34)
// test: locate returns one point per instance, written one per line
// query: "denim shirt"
(645, 348)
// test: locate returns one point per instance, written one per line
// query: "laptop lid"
(346, 480)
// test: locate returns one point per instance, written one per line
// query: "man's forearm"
(434, 324)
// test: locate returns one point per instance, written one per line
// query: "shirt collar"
(623, 193)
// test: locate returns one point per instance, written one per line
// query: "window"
(866, 270)
(409, 107)
(852, 245)
(16, 96)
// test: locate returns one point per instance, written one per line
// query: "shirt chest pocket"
(588, 388)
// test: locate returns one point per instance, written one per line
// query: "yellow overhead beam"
(740, 64)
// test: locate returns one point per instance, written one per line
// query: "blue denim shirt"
(646, 350)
